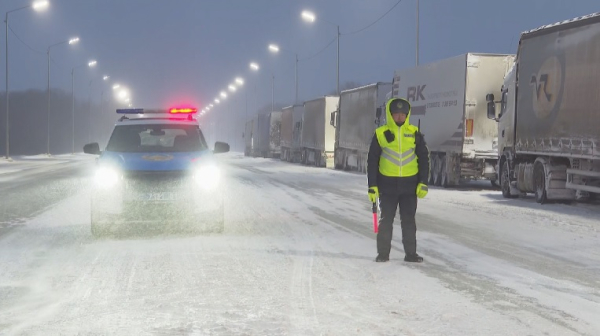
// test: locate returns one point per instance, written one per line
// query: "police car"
(157, 172)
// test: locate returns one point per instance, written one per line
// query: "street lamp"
(122, 94)
(254, 66)
(310, 17)
(217, 101)
(90, 64)
(37, 6)
(70, 41)
(223, 94)
(239, 81)
(232, 88)
(116, 86)
(105, 77)
(274, 48)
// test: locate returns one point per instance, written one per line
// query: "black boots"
(413, 258)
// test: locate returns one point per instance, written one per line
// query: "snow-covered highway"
(296, 258)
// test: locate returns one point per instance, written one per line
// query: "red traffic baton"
(375, 222)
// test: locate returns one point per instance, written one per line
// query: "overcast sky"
(176, 51)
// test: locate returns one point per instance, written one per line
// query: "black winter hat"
(399, 105)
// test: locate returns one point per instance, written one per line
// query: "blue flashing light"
(130, 111)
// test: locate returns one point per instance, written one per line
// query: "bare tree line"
(29, 120)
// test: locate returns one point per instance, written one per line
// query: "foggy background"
(187, 51)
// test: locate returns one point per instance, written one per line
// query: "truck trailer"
(549, 115)
(360, 111)
(291, 128)
(269, 134)
(448, 103)
(318, 135)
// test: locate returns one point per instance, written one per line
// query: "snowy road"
(296, 258)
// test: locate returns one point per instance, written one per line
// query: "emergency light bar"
(183, 111)
(186, 110)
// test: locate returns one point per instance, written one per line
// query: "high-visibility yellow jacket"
(398, 156)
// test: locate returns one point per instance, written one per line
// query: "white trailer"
(359, 113)
(448, 103)
(269, 134)
(318, 135)
(549, 120)
(291, 128)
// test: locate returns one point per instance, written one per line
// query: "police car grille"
(156, 181)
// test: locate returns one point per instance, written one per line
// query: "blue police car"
(157, 172)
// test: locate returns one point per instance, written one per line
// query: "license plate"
(156, 196)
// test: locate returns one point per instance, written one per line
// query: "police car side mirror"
(221, 147)
(92, 148)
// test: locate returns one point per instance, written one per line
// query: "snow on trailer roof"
(319, 98)
(561, 25)
(366, 86)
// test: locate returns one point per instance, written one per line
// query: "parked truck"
(318, 135)
(291, 128)
(448, 103)
(549, 118)
(268, 136)
(248, 137)
(359, 113)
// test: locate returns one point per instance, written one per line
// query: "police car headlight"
(106, 177)
(208, 176)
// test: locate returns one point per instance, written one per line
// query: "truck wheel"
(437, 178)
(444, 175)
(505, 181)
(432, 171)
(539, 179)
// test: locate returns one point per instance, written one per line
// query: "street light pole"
(296, 96)
(338, 61)
(90, 111)
(48, 107)
(73, 111)
(37, 6)
(273, 93)
(310, 17)
(71, 41)
(7, 114)
(417, 49)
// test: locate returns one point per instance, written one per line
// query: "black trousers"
(388, 203)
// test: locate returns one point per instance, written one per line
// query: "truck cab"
(506, 115)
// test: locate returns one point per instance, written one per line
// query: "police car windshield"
(156, 138)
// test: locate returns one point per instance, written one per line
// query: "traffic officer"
(397, 172)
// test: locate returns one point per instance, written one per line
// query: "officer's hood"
(390, 121)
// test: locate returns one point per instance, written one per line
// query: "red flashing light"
(183, 111)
